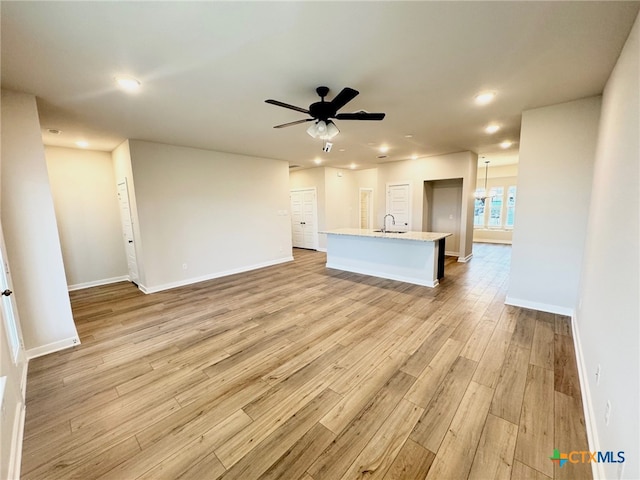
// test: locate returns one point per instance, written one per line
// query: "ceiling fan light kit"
(323, 130)
(322, 112)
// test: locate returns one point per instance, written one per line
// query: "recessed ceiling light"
(82, 143)
(383, 148)
(506, 144)
(408, 135)
(341, 150)
(484, 98)
(492, 128)
(54, 131)
(317, 161)
(414, 157)
(352, 166)
(128, 83)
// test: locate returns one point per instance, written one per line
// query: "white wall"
(456, 165)
(557, 149)
(31, 233)
(84, 195)
(341, 197)
(608, 311)
(216, 213)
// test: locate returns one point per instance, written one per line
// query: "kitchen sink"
(389, 231)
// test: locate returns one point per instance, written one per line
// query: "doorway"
(127, 231)
(304, 218)
(443, 211)
(366, 208)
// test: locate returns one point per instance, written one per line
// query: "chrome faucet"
(384, 221)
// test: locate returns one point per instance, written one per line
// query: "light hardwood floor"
(300, 372)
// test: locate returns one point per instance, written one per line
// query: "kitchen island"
(413, 257)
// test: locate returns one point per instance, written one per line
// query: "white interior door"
(127, 230)
(12, 373)
(399, 205)
(304, 214)
(9, 310)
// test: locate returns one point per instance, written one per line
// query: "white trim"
(52, 347)
(204, 278)
(322, 249)
(451, 254)
(97, 283)
(542, 307)
(389, 276)
(465, 259)
(15, 457)
(587, 407)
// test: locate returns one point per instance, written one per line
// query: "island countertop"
(365, 232)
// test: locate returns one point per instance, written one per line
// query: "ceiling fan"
(322, 112)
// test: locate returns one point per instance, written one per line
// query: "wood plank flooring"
(300, 372)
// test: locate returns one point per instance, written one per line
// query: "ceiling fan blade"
(286, 105)
(294, 123)
(360, 116)
(345, 96)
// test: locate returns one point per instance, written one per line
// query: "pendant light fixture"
(484, 195)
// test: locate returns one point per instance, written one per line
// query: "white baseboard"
(52, 347)
(204, 278)
(320, 249)
(465, 259)
(97, 283)
(542, 307)
(451, 254)
(587, 406)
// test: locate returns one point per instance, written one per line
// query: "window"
(511, 206)
(496, 211)
(495, 207)
(478, 209)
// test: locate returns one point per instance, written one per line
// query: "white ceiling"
(207, 67)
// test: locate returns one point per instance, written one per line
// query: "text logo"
(586, 457)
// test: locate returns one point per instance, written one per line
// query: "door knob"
(7, 292)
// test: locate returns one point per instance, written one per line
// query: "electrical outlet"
(598, 375)
(607, 413)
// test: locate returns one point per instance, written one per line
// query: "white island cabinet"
(413, 257)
